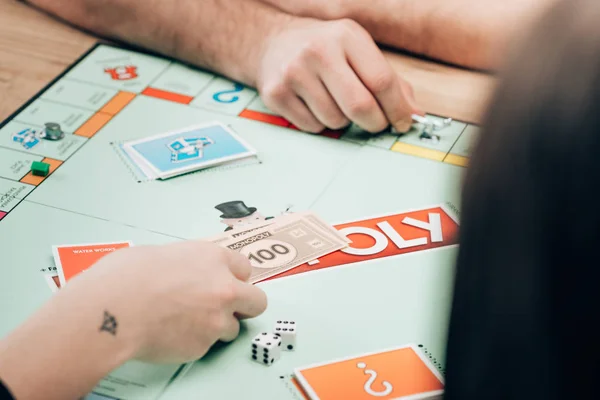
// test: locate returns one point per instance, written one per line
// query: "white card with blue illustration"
(188, 149)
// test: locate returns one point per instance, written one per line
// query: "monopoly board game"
(382, 302)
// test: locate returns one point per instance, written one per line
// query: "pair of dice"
(266, 347)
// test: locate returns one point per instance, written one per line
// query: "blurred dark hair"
(527, 290)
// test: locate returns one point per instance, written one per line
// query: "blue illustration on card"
(184, 149)
(206, 145)
(27, 138)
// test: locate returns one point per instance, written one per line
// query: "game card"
(53, 282)
(71, 260)
(189, 149)
(400, 373)
(141, 169)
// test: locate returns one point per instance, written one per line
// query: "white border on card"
(50, 281)
(309, 390)
(139, 163)
(128, 146)
(58, 264)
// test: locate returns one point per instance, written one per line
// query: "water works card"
(71, 260)
(189, 149)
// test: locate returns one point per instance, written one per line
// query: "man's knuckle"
(292, 72)
(314, 51)
(362, 106)
(274, 93)
(382, 82)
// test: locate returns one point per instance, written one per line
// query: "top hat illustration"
(235, 209)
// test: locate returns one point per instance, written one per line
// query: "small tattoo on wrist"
(109, 324)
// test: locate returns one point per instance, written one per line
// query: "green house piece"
(40, 168)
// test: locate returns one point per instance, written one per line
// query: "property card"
(186, 150)
(71, 260)
(399, 373)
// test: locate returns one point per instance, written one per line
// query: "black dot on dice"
(285, 329)
(290, 347)
(257, 340)
(291, 329)
(254, 346)
(264, 333)
(266, 361)
(292, 322)
(275, 337)
(278, 322)
(279, 344)
(269, 343)
(254, 351)
(285, 322)
(254, 357)
(272, 359)
(277, 329)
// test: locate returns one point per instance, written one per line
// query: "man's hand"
(326, 74)
(315, 73)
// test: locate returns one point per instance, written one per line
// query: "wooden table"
(35, 48)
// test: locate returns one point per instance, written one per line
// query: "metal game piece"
(52, 131)
(420, 119)
(428, 122)
(428, 134)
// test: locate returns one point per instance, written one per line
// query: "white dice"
(287, 331)
(266, 348)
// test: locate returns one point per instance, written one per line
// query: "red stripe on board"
(170, 96)
(326, 132)
(262, 117)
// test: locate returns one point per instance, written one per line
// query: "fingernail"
(402, 126)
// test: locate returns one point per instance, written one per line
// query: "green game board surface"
(347, 177)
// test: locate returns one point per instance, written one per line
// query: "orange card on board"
(71, 260)
(399, 373)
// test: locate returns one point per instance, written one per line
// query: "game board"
(395, 196)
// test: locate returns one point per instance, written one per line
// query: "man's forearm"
(471, 33)
(222, 35)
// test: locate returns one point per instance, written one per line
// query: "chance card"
(188, 149)
(400, 373)
(71, 260)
